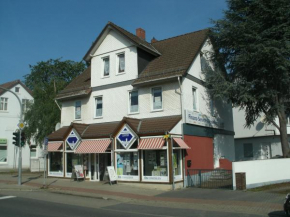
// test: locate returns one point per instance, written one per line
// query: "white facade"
(261, 139)
(114, 88)
(9, 119)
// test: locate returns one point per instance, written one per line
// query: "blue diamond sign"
(72, 139)
(126, 137)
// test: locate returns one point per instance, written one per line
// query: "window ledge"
(107, 76)
(77, 119)
(121, 73)
(98, 117)
(3, 163)
(2, 111)
(157, 110)
(134, 113)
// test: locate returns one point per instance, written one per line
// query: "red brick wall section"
(201, 152)
(225, 164)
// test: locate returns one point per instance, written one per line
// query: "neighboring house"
(260, 141)
(132, 95)
(9, 119)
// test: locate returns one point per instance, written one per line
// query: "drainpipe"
(182, 130)
(57, 104)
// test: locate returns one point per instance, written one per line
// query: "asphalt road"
(40, 203)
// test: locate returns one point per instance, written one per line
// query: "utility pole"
(20, 148)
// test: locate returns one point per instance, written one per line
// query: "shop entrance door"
(104, 160)
(94, 167)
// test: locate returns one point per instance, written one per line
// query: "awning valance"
(181, 143)
(151, 143)
(93, 146)
(54, 146)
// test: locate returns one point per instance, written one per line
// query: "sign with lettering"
(3, 141)
(126, 137)
(72, 139)
(197, 118)
(112, 173)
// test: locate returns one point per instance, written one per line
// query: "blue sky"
(37, 30)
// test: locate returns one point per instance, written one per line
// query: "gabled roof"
(177, 54)
(11, 84)
(80, 86)
(133, 38)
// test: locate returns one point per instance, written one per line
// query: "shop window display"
(72, 160)
(155, 163)
(127, 163)
(56, 162)
(176, 162)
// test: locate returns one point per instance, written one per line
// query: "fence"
(210, 178)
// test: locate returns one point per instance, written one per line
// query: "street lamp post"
(20, 147)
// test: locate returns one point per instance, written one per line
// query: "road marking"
(6, 197)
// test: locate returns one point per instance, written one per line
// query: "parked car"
(287, 205)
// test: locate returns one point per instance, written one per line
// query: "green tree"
(252, 53)
(46, 79)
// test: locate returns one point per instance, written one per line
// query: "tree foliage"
(252, 53)
(46, 79)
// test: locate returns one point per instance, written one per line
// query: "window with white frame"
(194, 98)
(25, 103)
(3, 104)
(157, 98)
(106, 62)
(99, 106)
(288, 119)
(133, 102)
(78, 110)
(17, 89)
(121, 62)
(33, 151)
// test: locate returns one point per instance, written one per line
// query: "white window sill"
(3, 163)
(4, 111)
(121, 73)
(107, 76)
(157, 110)
(98, 117)
(77, 119)
(34, 158)
(133, 113)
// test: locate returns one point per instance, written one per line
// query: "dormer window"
(121, 63)
(106, 61)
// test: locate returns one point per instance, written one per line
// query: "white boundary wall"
(262, 172)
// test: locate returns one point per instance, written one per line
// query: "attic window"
(17, 89)
(121, 63)
(106, 61)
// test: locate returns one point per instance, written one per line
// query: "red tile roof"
(11, 84)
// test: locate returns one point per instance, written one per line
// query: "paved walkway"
(155, 195)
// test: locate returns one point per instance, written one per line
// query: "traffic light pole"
(20, 148)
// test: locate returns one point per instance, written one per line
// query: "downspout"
(57, 104)
(182, 130)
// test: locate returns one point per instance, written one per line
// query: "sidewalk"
(207, 199)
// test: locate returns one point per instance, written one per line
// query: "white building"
(132, 95)
(9, 119)
(260, 141)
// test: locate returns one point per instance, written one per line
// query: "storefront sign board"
(72, 139)
(79, 171)
(196, 118)
(126, 137)
(3, 141)
(112, 173)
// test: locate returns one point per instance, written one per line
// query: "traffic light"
(16, 138)
(23, 139)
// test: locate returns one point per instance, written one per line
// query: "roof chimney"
(140, 33)
(153, 40)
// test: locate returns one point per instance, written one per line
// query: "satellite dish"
(57, 126)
